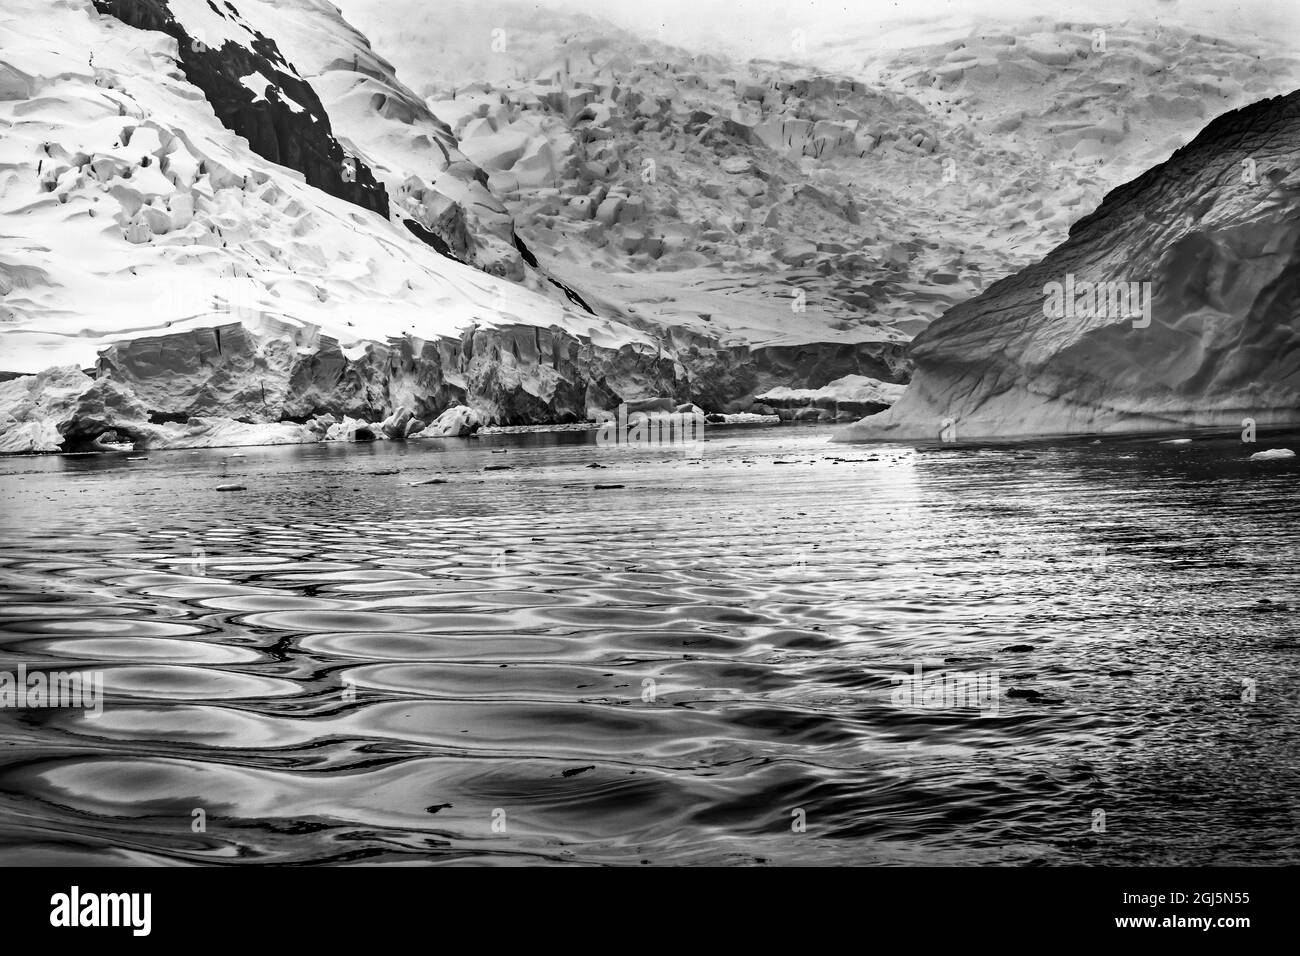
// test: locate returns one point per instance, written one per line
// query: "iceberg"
(1215, 230)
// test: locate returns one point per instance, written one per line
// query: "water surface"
(337, 665)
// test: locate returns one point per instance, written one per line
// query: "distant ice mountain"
(880, 185)
(1175, 305)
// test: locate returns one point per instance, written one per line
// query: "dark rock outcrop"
(288, 125)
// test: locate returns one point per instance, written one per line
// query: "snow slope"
(232, 229)
(129, 210)
(143, 236)
(880, 178)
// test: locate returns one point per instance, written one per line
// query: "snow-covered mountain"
(155, 182)
(696, 191)
(246, 221)
(183, 212)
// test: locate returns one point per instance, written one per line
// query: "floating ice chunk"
(1272, 454)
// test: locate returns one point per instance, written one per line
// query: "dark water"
(337, 666)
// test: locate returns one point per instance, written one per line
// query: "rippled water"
(339, 665)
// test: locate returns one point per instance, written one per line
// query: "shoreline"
(1283, 433)
(742, 421)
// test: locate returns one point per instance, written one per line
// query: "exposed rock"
(283, 121)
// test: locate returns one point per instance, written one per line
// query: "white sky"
(762, 27)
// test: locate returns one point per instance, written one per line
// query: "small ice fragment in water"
(1272, 453)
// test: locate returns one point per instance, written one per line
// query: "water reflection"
(342, 664)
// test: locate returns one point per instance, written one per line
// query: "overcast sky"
(760, 27)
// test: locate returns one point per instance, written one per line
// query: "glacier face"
(181, 216)
(1213, 234)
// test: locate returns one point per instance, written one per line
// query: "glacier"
(234, 223)
(1215, 231)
